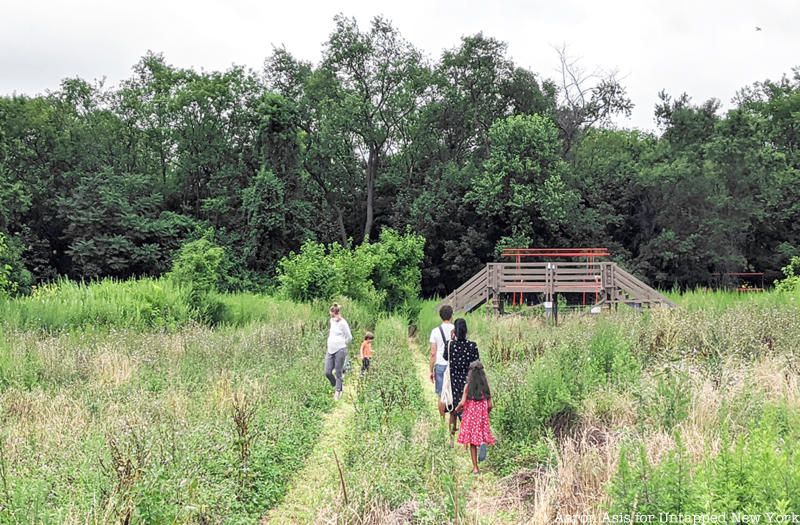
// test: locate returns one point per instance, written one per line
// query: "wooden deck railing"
(610, 284)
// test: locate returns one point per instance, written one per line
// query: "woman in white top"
(338, 339)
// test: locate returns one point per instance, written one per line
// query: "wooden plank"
(523, 271)
(634, 285)
(556, 288)
(575, 288)
(458, 298)
(481, 275)
(578, 270)
(513, 275)
(559, 278)
(473, 285)
(472, 292)
(523, 279)
(650, 294)
(523, 289)
(478, 283)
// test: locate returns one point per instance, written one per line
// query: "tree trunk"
(372, 169)
(340, 220)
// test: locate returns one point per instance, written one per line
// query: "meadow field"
(117, 407)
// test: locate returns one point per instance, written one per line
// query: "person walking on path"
(460, 353)
(338, 339)
(365, 353)
(476, 404)
(439, 337)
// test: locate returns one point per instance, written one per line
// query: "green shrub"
(791, 281)
(196, 270)
(395, 267)
(538, 399)
(15, 279)
(666, 402)
(650, 489)
(385, 273)
(546, 396)
(308, 275)
(609, 360)
(197, 265)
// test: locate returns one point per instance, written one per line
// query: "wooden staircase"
(471, 294)
(608, 282)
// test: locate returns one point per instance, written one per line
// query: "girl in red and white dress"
(476, 402)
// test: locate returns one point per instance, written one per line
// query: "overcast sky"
(708, 48)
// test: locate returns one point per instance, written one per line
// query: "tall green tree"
(522, 186)
(474, 85)
(382, 79)
(327, 155)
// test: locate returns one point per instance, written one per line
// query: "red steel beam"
(555, 252)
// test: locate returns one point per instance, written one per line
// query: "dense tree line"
(469, 150)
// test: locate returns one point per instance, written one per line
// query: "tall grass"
(147, 305)
(62, 305)
(685, 389)
(118, 407)
(702, 299)
(197, 426)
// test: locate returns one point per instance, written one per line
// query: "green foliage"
(197, 266)
(385, 273)
(380, 79)
(468, 149)
(309, 274)
(15, 279)
(609, 360)
(647, 489)
(522, 186)
(196, 271)
(63, 305)
(667, 402)
(755, 473)
(791, 281)
(395, 269)
(536, 402)
(143, 304)
(547, 396)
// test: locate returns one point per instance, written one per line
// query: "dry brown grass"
(587, 460)
(112, 368)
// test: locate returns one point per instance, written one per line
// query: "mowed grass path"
(486, 502)
(316, 485)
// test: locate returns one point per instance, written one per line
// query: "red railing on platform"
(554, 252)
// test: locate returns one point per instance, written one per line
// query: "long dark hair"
(477, 384)
(461, 329)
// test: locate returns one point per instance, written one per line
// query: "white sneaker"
(337, 395)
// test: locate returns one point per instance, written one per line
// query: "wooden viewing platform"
(608, 281)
